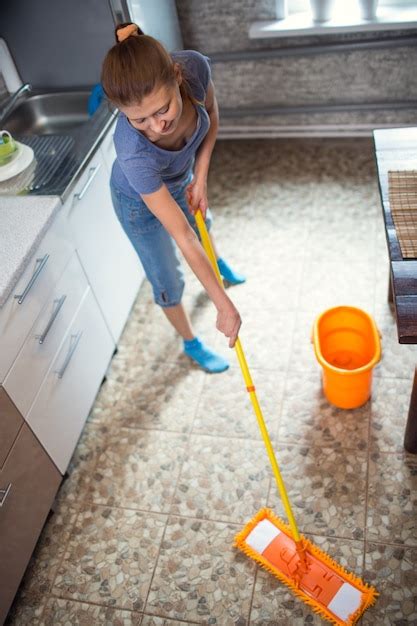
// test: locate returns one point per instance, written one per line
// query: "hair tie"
(127, 31)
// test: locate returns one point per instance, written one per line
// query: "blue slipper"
(206, 358)
(232, 277)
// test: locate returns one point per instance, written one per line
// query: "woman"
(164, 138)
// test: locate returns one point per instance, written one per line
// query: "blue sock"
(228, 274)
(206, 358)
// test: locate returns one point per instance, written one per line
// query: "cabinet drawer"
(107, 256)
(10, 424)
(28, 484)
(68, 391)
(18, 315)
(25, 377)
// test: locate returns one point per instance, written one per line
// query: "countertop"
(23, 223)
(25, 219)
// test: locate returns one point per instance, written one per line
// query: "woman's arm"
(197, 190)
(202, 161)
(164, 207)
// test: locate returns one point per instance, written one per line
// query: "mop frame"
(369, 594)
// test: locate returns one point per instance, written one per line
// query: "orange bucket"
(347, 346)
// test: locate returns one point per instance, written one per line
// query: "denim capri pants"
(155, 247)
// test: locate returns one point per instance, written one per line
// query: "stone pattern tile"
(396, 362)
(153, 620)
(171, 464)
(390, 402)
(222, 479)
(110, 557)
(392, 569)
(199, 577)
(392, 498)
(60, 612)
(308, 418)
(169, 403)
(327, 489)
(138, 470)
(225, 409)
(270, 350)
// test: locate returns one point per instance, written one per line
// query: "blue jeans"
(156, 249)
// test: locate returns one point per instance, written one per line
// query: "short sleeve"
(142, 175)
(198, 71)
(204, 70)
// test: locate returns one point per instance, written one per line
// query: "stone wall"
(252, 92)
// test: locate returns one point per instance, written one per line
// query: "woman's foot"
(206, 358)
(232, 277)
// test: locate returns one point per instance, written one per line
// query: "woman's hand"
(229, 322)
(196, 196)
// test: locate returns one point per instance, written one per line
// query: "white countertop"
(24, 220)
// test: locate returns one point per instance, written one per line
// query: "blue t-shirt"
(141, 167)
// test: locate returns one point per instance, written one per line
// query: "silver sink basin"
(48, 113)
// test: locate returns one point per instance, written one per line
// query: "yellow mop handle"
(207, 245)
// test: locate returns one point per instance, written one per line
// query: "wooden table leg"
(390, 295)
(410, 438)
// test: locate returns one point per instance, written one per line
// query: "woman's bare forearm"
(197, 260)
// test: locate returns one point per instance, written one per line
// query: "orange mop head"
(331, 591)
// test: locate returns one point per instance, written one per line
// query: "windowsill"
(301, 24)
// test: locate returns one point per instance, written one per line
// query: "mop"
(334, 593)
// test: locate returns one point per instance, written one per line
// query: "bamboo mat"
(402, 189)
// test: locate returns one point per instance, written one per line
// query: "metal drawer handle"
(91, 176)
(42, 263)
(58, 306)
(4, 493)
(75, 340)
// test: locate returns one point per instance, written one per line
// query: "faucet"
(12, 100)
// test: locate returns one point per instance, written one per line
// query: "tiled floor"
(171, 463)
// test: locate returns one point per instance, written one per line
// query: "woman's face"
(158, 114)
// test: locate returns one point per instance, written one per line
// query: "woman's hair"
(137, 65)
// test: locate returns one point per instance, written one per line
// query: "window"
(341, 7)
(346, 18)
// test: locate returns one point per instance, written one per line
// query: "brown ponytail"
(136, 66)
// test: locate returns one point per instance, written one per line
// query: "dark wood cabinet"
(10, 423)
(28, 485)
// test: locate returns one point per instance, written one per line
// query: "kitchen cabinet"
(10, 423)
(28, 484)
(25, 303)
(70, 387)
(110, 262)
(58, 331)
(46, 336)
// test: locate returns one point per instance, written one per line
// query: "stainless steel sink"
(58, 128)
(48, 113)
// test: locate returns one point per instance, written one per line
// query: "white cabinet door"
(67, 393)
(45, 337)
(29, 295)
(112, 267)
(108, 149)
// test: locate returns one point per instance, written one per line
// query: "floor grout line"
(173, 495)
(366, 492)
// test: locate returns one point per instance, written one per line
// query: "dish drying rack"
(52, 166)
